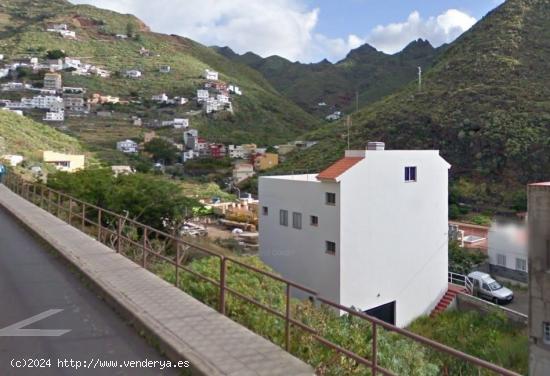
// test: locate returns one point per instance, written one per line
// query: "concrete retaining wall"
(465, 302)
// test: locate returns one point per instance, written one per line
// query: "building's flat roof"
(312, 178)
(544, 184)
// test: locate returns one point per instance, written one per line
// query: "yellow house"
(266, 161)
(64, 162)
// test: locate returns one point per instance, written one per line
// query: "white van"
(486, 287)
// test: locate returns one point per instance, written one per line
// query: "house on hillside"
(202, 95)
(132, 73)
(337, 115)
(507, 248)
(127, 146)
(54, 116)
(242, 171)
(265, 161)
(210, 75)
(53, 81)
(165, 69)
(64, 162)
(370, 231)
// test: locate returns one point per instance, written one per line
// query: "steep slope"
(484, 105)
(20, 135)
(261, 114)
(371, 73)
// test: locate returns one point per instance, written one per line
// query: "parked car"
(486, 287)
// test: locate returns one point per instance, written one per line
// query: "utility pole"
(420, 79)
(348, 125)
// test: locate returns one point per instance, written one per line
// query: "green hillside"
(371, 73)
(20, 135)
(485, 105)
(261, 114)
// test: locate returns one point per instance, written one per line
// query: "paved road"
(32, 281)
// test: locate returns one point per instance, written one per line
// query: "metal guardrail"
(461, 280)
(114, 230)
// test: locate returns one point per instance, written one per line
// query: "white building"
(176, 123)
(237, 152)
(202, 95)
(210, 75)
(132, 73)
(54, 116)
(4, 72)
(46, 102)
(165, 69)
(222, 98)
(337, 115)
(160, 98)
(507, 248)
(235, 90)
(127, 146)
(13, 160)
(370, 231)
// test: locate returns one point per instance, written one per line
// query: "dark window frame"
(330, 198)
(297, 220)
(411, 174)
(330, 247)
(283, 217)
(312, 222)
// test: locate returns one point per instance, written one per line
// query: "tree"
(154, 201)
(56, 54)
(130, 29)
(162, 150)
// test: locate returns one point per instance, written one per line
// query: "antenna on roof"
(419, 79)
(348, 124)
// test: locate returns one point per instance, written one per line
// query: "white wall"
(299, 255)
(508, 240)
(394, 233)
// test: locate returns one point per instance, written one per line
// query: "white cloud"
(444, 28)
(279, 27)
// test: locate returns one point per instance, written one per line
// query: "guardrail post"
(374, 350)
(58, 205)
(177, 262)
(144, 258)
(287, 318)
(34, 193)
(99, 225)
(119, 235)
(83, 212)
(70, 211)
(49, 200)
(223, 268)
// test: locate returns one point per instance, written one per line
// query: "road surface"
(34, 281)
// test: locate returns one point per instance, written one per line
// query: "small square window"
(330, 247)
(314, 220)
(501, 260)
(521, 264)
(283, 218)
(297, 220)
(265, 210)
(330, 198)
(546, 332)
(410, 174)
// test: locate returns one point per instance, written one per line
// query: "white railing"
(461, 280)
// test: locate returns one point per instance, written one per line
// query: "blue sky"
(307, 30)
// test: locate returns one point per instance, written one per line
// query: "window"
(283, 218)
(297, 220)
(485, 287)
(501, 260)
(410, 174)
(330, 247)
(546, 332)
(521, 264)
(265, 210)
(330, 198)
(314, 220)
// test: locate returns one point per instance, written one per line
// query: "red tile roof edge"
(338, 168)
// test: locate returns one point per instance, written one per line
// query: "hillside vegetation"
(370, 73)
(261, 114)
(19, 135)
(485, 104)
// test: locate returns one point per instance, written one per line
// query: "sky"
(306, 30)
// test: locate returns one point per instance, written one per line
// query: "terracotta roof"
(338, 168)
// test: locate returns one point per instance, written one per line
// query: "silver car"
(486, 287)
